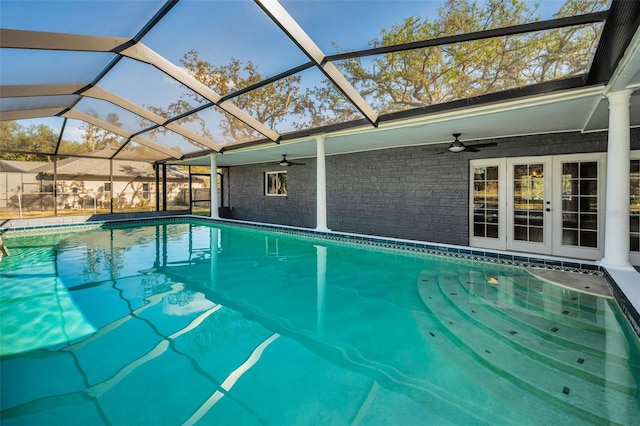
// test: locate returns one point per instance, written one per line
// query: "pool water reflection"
(192, 324)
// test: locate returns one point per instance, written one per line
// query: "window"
(485, 201)
(275, 184)
(145, 191)
(580, 203)
(634, 206)
(107, 187)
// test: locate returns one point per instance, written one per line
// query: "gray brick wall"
(410, 192)
(248, 202)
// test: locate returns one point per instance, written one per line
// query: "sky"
(218, 29)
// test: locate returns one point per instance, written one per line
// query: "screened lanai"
(166, 81)
(187, 87)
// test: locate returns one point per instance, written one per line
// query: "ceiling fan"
(286, 163)
(457, 146)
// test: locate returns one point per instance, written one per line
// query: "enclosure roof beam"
(295, 32)
(142, 53)
(21, 91)
(31, 113)
(120, 132)
(99, 93)
(23, 39)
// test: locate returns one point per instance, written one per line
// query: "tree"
(271, 104)
(28, 141)
(96, 138)
(420, 77)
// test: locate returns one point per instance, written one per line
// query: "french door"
(529, 198)
(546, 205)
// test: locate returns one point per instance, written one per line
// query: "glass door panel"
(634, 205)
(580, 203)
(529, 224)
(528, 202)
(487, 196)
(578, 219)
(485, 201)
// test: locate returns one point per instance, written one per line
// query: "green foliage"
(421, 77)
(24, 143)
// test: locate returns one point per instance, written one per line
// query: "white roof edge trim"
(102, 94)
(120, 132)
(627, 67)
(24, 91)
(473, 111)
(23, 39)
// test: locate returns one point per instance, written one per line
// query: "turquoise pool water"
(182, 324)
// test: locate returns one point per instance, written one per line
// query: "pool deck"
(591, 284)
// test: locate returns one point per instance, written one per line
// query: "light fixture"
(456, 146)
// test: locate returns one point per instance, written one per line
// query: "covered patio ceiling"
(173, 81)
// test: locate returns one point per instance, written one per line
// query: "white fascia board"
(628, 67)
(120, 132)
(24, 91)
(22, 39)
(503, 106)
(31, 113)
(99, 93)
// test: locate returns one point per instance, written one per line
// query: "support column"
(55, 185)
(111, 197)
(164, 187)
(156, 169)
(321, 186)
(616, 237)
(214, 186)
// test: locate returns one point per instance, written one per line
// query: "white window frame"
(503, 242)
(593, 253)
(485, 242)
(266, 183)
(634, 256)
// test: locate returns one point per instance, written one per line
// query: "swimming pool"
(189, 323)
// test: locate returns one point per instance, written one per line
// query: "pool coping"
(503, 258)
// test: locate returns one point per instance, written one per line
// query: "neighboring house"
(80, 181)
(16, 176)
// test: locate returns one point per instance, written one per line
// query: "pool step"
(570, 388)
(529, 291)
(556, 324)
(543, 343)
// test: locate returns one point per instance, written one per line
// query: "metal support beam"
(295, 32)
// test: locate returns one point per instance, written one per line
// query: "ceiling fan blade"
(472, 148)
(483, 145)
